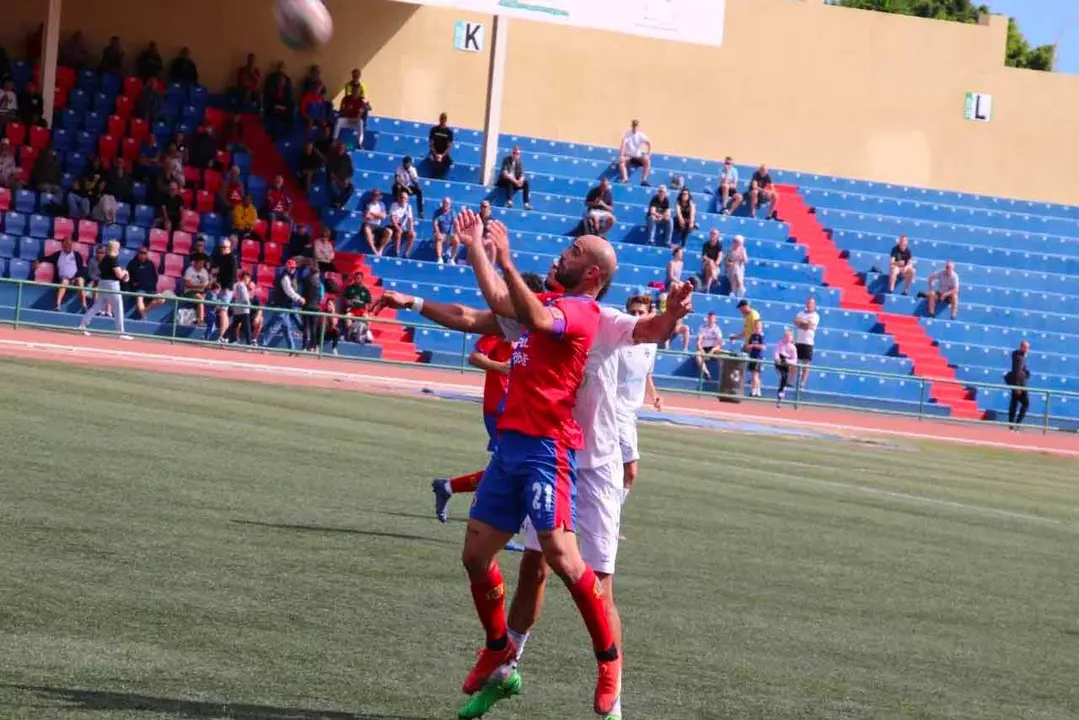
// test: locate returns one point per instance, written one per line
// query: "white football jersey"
(635, 364)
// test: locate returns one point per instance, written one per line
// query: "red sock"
(489, 595)
(466, 483)
(588, 594)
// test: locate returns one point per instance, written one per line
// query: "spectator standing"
(149, 63)
(31, 105)
(323, 251)
(278, 101)
(183, 69)
(402, 225)
(330, 327)
(762, 191)
(231, 192)
(74, 53)
(355, 83)
(196, 285)
(374, 217)
(685, 215)
(805, 336)
(711, 260)
(224, 271)
(245, 217)
(339, 170)
(242, 292)
(9, 169)
(444, 232)
(284, 299)
(674, 267)
(311, 162)
(901, 265)
(407, 180)
(148, 104)
(727, 190)
(248, 80)
(142, 275)
(635, 151)
(1018, 377)
(278, 203)
(944, 288)
(511, 178)
(709, 344)
(750, 318)
(112, 58)
(357, 301)
(70, 270)
(313, 293)
(754, 347)
(203, 153)
(352, 114)
(786, 354)
(108, 297)
(440, 144)
(46, 173)
(737, 259)
(659, 215)
(599, 209)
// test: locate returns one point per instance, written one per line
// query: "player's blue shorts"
(490, 421)
(528, 477)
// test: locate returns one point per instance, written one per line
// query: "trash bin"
(732, 379)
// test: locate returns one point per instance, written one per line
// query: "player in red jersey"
(533, 470)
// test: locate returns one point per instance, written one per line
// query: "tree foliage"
(1019, 52)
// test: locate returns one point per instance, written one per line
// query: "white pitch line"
(366, 378)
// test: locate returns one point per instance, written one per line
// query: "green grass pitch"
(181, 547)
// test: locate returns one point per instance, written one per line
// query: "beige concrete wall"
(798, 84)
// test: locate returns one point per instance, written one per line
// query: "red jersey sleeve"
(487, 344)
(574, 317)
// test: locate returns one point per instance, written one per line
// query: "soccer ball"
(303, 24)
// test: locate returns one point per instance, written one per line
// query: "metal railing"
(800, 395)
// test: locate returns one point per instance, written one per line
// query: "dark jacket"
(1019, 374)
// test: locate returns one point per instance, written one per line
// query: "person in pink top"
(786, 356)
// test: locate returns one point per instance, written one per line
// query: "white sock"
(617, 709)
(625, 495)
(448, 488)
(519, 640)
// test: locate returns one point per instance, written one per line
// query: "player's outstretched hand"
(680, 299)
(499, 236)
(469, 228)
(392, 300)
(658, 404)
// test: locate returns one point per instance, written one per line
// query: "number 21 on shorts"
(542, 496)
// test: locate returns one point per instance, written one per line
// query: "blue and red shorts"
(528, 477)
(490, 421)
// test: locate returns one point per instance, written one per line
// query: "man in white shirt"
(635, 151)
(805, 334)
(373, 216)
(196, 283)
(406, 178)
(635, 366)
(727, 190)
(944, 287)
(402, 224)
(709, 344)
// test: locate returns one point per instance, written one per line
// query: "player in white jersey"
(635, 385)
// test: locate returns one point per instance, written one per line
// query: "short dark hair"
(198, 256)
(645, 300)
(533, 281)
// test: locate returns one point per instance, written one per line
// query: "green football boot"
(481, 703)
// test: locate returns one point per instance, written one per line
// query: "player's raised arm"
(657, 328)
(527, 308)
(469, 228)
(449, 315)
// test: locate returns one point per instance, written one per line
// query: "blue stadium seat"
(61, 138)
(25, 201)
(123, 213)
(29, 248)
(112, 232)
(15, 224)
(144, 214)
(134, 236)
(7, 246)
(40, 226)
(18, 269)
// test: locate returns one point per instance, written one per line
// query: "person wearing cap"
(750, 318)
(283, 299)
(374, 219)
(407, 179)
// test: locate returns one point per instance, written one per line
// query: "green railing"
(797, 397)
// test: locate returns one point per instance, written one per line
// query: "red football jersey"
(498, 349)
(277, 201)
(352, 107)
(547, 370)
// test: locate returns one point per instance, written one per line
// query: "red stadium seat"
(224, 158)
(51, 246)
(117, 126)
(124, 105)
(44, 273)
(87, 232)
(265, 275)
(271, 254)
(63, 227)
(217, 118)
(39, 137)
(174, 265)
(189, 221)
(159, 240)
(211, 180)
(260, 229)
(66, 77)
(204, 201)
(27, 156)
(5, 199)
(166, 283)
(129, 150)
(139, 129)
(181, 242)
(250, 251)
(189, 197)
(132, 86)
(108, 147)
(59, 98)
(279, 232)
(192, 176)
(16, 133)
(83, 250)
(155, 258)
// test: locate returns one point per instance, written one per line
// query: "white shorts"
(627, 440)
(599, 515)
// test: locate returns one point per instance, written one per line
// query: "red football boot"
(608, 685)
(486, 664)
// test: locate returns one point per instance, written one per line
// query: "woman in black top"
(685, 215)
(311, 161)
(108, 295)
(711, 257)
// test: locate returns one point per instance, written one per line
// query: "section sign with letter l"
(687, 21)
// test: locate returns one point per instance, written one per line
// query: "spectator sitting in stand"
(406, 179)
(245, 217)
(352, 114)
(9, 169)
(196, 285)
(70, 270)
(659, 215)
(142, 276)
(339, 170)
(711, 260)
(599, 209)
(311, 162)
(119, 182)
(374, 217)
(78, 200)
(278, 203)
(248, 79)
(301, 248)
(9, 103)
(685, 215)
(148, 165)
(203, 151)
(231, 191)
(323, 134)
(112, 58)
(635, 151)
(736, 261)
(31, 105)
(183, 69)
(74, 52)
(944, 287)
(709, 344)
(402, 225)
(323, 251)
(357, 300)
(278, 102)
(149, 64)
(901, 265)
(148, 105)
(440, 144)
(444, 231)
(511, 178)
(727, 190)
(762, 191)
(168, 213)
(46, 173)
(674, 267)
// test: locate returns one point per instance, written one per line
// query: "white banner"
(686, 21)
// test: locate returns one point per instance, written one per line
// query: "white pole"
(492, 117)
(1060, 36)
(50, 50)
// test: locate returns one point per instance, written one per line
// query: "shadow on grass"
(115, 701)
(346, 531)
(418, 516)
